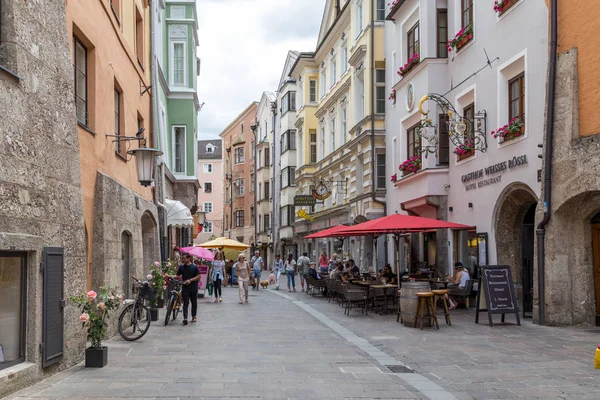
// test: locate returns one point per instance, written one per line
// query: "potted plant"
(394, 178)
(410, 64)
(461, 38)
(94, 313)
(513, 129)
(411, 165)
(156, 278)
(463, 149)
(392, 96)
(500, 6)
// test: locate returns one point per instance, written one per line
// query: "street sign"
(497, 285)
(304, 200)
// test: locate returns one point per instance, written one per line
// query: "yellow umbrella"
(224, 243)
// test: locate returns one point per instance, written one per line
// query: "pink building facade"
(210, 195)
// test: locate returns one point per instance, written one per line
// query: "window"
(413, 141)
(208, 206)
(313, 146)
(323, 83)
(442, 33)
(115, 5)
(252, 218)
(178, 63)
(210, 148)
(344, 58)
(343, 126)
(466, 12)
(208, 187)
(322, 143)
(139, 37)
(288, 177)
(359, 18)
(119, 144)
(412, 41)
(239, 187)
(266, 222)
(179, 133)
(288, 141)
(259, 191)
(252, 149)
(516, 98)
(239, 155)
(381, 10)
(312, 91)
(178, 12)
(332, 135)
(381, 178)
(267, 191)
(444, 139)
(380, 97)
(287, 216)
(208, 227)
(13, 308)
(300, 147)
(252, 182)
(333, 67)
(208, 168)
(80, 58)
(469, 116)
(239, 218)
(267, 158)
(260, 157)
(288, 102)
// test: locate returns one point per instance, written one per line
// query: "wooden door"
(596, 247)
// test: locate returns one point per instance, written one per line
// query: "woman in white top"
(460, 279)
(218, 275)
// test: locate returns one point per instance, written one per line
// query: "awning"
(329, 232)
(398, 224)
(178, 215)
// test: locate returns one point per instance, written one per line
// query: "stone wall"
(40, 186)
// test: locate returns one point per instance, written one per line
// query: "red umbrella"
(199, 252)
(398, 224)
(329, 232)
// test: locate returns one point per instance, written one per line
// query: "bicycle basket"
(147, 292)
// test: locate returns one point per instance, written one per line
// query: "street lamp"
(145, 161)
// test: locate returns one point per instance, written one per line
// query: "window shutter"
(53, 306)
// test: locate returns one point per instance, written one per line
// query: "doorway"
(125, 262)
(596, 252)
(527, 251)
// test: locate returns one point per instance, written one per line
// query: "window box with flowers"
(412, 62)
(411, 165)
(501, 6)
(465, 150)
(392, 96)
(461, 38)
(514, 129)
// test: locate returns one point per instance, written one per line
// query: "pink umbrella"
(199, 252)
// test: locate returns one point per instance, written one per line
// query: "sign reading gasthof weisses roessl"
(496, 283)
(474, 180)
(304, 200)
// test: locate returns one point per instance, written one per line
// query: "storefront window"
(12, 309)
(466, 250)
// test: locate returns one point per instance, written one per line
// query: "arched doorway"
(515, 234)
(125, 262)
(596, 255)
(150, 244)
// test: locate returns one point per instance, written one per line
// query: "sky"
(243, 45)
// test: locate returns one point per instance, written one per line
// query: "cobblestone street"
(293, 346)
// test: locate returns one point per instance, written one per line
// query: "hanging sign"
(304, 200)
(497, 285)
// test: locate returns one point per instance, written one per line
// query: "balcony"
(420, 184)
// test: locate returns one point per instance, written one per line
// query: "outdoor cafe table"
(385, 290)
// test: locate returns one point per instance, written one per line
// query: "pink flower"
(157, 263)
(102, 306)
(85, 317)
(120, 298)
(149, 276)
(91, 296)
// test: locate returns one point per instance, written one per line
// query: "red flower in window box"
(500, 6)
(394, 178)
(461, 38)
(464, 148)
(392, 96)
(411, 165)
(513, 129)
(410, 64)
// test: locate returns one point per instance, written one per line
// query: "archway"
(150, 244)
(126, 253)
(515, 234)
(596, 257)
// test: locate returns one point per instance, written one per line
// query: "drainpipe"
(159, 173)
(373, 155)
(550, 98)
(276, 182)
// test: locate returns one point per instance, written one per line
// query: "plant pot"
(507, 4)
(154, 314)
(96, 357)
(160, 303)
(464, 41)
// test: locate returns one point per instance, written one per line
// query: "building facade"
(41, 208)
(340, 128)
(571, 257)
(238, 163)
(176, 68)
(475, 158)
(211, 193)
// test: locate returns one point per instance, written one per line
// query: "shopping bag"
(272, 278)
(210, 288)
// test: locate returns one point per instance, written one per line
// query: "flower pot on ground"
(161, 301)
(156, 279)
(154, 314)
(96, 357)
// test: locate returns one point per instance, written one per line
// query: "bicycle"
(134, 320)
(175, 301)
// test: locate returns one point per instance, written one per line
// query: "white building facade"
(495, 73)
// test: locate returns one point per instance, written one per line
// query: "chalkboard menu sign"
(497, 284)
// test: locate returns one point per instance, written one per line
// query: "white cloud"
(243, 46)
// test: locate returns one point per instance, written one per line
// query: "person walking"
(218, 275)
(242, 271)
(277, 268)
(257, 266)
(190, 275)
(290, 271)
(324, 263)
(302, 268)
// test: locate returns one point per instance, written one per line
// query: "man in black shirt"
(190, 275)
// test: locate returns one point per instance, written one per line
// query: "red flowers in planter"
(461, 37)
(393, 3)
(392, 96)
(411, 165)
(513, 129)
(394, 178)
(410, 64)
(464, 148)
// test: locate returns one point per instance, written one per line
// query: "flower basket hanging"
(461, 38)
(394, 178)
(392, 96)
(412, 62)
(510, 131)
(411, 165)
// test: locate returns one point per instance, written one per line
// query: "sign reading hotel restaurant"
(497, 285)
(304, 200)
(491, 170)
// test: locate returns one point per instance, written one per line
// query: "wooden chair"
(464, 293)
(425, 309)
(354, 297)
(441, 295)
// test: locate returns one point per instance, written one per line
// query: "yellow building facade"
(341, 130)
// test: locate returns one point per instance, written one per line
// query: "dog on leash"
(264, 284)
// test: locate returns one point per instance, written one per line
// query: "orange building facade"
(110, 52)
(238, 165)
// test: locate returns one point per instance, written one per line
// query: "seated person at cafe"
(458, 283)
(354, 270)
(337, 272)
(312, 271)
(387, 274)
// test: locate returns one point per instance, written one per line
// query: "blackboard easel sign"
(496, 281)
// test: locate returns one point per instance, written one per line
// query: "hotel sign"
(304, 200)
(491, 170)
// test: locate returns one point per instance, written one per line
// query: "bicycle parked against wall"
(175, 301)
(134, 320)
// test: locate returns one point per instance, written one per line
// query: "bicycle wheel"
(176, 308)
(169, 308)
(134, 322)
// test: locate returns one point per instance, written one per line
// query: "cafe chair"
(399, 316)
(354, 296)
(464, 293)
(425, 309)
(441, 295)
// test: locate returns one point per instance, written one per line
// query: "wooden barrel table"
(408, 299)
